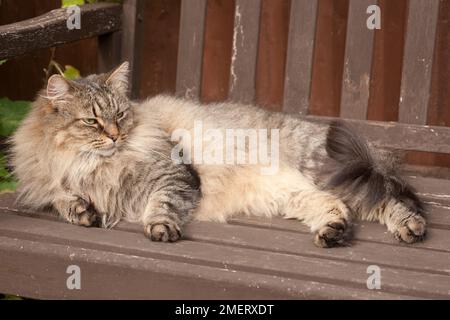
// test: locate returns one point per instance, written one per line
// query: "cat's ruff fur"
(327, 174)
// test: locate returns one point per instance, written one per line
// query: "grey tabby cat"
(84, 151)
(90, 153)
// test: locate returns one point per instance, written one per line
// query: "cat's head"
(90, 115)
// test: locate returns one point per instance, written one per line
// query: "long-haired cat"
(94, 156)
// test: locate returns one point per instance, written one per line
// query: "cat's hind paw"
(412, 230)
(333, 234)
(162, 228)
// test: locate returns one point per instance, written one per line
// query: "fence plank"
(245, 50)
(298, 74)
(50, 29)
(190, 48)
(418, 61)
(357, 63)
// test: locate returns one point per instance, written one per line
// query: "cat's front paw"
(412, 230)
(81, 213)
(162, 228)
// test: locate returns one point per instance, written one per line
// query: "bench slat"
(357, 62)
(108, 275)
(418, 61)
(226, 257)
(299, 60)
(400, 135)
(372, 244)
(438, 219)
(245, 51)
(190, 48)
(50, 29)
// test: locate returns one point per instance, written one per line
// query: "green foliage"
(71, 73)
(68, 3)
(11, 113)
(7, 182)
(3, 61)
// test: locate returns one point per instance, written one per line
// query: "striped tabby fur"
(327, 175)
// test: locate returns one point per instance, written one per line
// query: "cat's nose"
(111, 131)
(113, 137)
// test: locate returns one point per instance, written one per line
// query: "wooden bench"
(249, 258)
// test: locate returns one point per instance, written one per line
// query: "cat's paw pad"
(413, 230)
(332, 235)
(82, 214)
(164, 230)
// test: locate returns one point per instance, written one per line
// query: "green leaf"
(71, 73)
(68, 3)
(11, 113)
(3, 61)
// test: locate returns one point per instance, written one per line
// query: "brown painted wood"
(190, 48)
(386, 74)
(160, 47)
(245, 51)
(108, 275)
(328, 61)
(109, 51)
(238, 256)
(439, 106)
(23, 76)
(50, 29)
(285, 245)
(271, 59)
(217, 51)
(131, 42)
(400, 136)
(418, 61)
(299, 63)
(357, 63)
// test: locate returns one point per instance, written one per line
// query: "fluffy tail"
(363, 178)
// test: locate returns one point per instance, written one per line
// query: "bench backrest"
(117, 27)
(409, 133)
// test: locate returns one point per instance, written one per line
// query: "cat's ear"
(57, 88)
(118, 79)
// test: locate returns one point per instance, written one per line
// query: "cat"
(325, 175)
(85, 152)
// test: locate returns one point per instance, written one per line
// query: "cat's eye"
(120, 115)
(90, 121)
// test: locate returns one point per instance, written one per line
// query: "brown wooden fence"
(21, 78)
